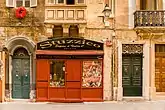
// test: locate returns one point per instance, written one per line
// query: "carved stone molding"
(132, 48)
(81, 28)
(65, 28)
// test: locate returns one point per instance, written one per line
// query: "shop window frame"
(102, 75)
(63, 73)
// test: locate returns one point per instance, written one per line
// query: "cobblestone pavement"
(149, 105)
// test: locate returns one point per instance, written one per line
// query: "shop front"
(69, 70)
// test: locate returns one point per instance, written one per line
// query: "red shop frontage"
(69, 70)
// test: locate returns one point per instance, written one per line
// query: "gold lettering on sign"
(89, 43)
(79, 43)
(69, 41)
(45, 45)
(96, 45)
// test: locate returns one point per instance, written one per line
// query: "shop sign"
(69, 44)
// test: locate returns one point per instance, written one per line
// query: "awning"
(65, 52)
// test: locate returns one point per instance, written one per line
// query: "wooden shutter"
(9, 3)
(33, 3)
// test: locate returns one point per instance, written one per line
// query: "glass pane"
(27, 3)
(92, 74)
(80, 1)
(57, 73)
(60, 1)
(70, 2)
(19, 3)
(10, 2)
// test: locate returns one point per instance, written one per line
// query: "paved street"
(154, 105)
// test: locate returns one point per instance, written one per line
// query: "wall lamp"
(106, 12)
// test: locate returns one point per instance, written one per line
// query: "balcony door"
(151, 5)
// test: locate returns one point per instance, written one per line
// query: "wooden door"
(73, 79)
(16, 79)
(21, 78)
(132, 75)
(160, 72)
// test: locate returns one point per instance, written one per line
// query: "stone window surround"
(55, 3)
(145, 71)
(12, 3)
(50, 27)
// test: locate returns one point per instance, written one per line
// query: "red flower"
(20, 12)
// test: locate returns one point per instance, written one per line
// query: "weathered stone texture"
(121, 14)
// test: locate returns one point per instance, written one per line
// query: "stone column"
(120, 88)
(132, 9)
(66, 30)
(107, 82)
(152, 88)
(3, 75)
(49, 30)
(163, 4)
(81, 29)
(146, 70)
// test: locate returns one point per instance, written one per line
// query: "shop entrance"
(132, 75)
(21, 74)
(65, 74)
(73, 79)
(69, 70)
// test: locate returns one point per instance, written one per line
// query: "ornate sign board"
(64, 43)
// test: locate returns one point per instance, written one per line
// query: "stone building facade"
(139, 50)
(46, 19)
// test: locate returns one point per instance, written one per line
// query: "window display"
(92, 73)
(57, 73)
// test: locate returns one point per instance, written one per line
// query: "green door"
(132, 75)
(21, 78)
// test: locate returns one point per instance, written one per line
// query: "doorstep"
(134, 99)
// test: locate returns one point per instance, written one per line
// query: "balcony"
(65, 14)
(149, 19)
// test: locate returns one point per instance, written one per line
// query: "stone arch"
(16, 42)
(13, 44)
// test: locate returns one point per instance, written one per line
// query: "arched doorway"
(20, 74)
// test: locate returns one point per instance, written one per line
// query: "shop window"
(73, 31)
(18, 3)
(92, 73)
(57, 73)
(57, 31)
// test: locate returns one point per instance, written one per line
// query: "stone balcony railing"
(65, 14)
(149, 19)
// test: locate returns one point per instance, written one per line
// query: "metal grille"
(132, 48)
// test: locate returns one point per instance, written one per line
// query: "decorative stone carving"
(65, 28)
(132, 48)
(81, 28)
